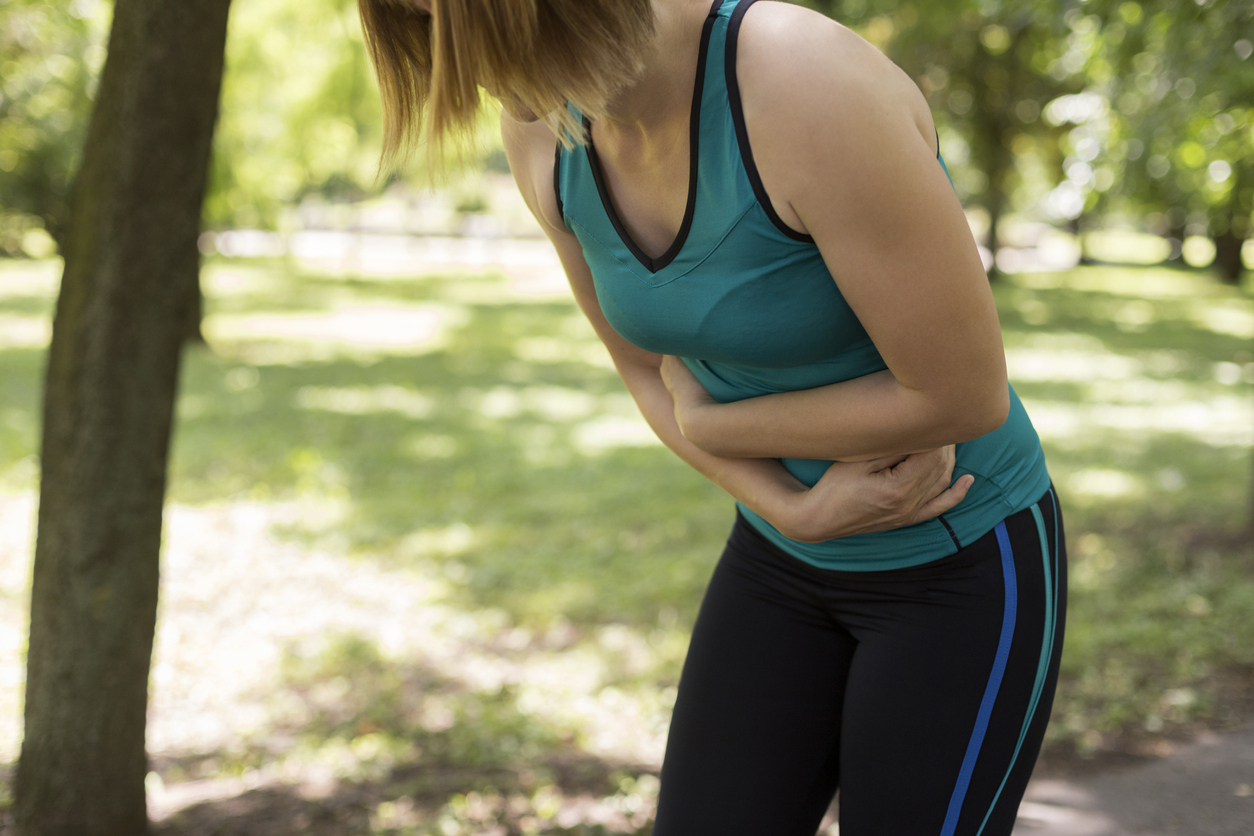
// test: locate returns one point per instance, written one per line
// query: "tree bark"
(121, 318)
(998, 167)
(1232, 226)
(989, 146)
(1249, 519)
(1228, 256)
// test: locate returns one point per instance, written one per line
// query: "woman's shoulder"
(802, 60)
(530, 148)
(815, 96)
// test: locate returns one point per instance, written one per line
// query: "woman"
(754, 189)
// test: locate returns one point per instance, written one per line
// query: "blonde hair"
(540, 53)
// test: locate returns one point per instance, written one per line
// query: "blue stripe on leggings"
(1042, 666)
(994, 683)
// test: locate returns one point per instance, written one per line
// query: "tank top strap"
(716, 132)
(721, 191)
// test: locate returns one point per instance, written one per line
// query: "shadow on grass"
(366, 744)
(507, 454)
(533, 478)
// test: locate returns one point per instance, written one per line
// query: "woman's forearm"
(850, 498)
(854, 420)
(762, 484)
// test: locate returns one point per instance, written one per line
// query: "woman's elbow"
(695, 428)
(984, 413)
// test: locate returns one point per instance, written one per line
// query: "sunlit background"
(427, 571)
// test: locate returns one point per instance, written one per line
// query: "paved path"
(1205, 789)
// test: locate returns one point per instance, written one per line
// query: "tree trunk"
(998, 167)
(1076, 227)
(1228, 256)
(1230, 229)
(1175, 238)
(1249, 520)
(195, 311)
(998, 162)
(112, 374)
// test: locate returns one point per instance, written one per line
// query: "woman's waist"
(1007, 463)
(727, 382)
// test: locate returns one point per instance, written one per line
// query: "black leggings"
(922, 693)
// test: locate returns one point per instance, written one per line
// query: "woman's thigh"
(950, 690)
(755, 733)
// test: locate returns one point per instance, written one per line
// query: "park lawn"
(452, 427)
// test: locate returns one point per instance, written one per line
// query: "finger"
(912, 465)
(948, 499)
(884, 463)
(942, 482)
(923, 472)
(942, 462)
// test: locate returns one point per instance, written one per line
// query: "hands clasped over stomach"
(876, 495)
(852, 497)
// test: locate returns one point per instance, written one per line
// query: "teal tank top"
(750, 306)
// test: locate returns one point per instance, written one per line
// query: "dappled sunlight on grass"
(363, 400)
(36, 279)
(17, 541)
(595, 437)
(18, 331)
(1138, 382)
(1135, 282)
(357, 331)
(1223, 319)
(421, 546)
(1126, 247)
(1219, 421)
(554, 349)
(304, 667)
(1096, 483)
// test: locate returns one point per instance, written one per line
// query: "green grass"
(483, 453)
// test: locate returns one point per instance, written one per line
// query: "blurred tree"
(1183, 94)
(300, 114)
(989, 67)
(50, 54)
(130, 255)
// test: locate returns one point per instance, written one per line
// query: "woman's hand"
(876, 495)
(852, 497)
(689, 395)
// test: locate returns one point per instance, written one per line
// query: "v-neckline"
(653, 265)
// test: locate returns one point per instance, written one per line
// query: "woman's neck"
(661, 95)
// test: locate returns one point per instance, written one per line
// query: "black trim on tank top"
(742, 132)
(557, 183)
(952, 536)
(653, 265)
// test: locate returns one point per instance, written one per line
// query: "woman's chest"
(747, 302)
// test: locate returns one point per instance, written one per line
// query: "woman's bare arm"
(852, 498)
(844, 143)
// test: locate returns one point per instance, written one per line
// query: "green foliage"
(988, 70)
(1087, 108)
(301, 115)
(50, 54)
(1181, 139)
(300, 112)
(1065, 112)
